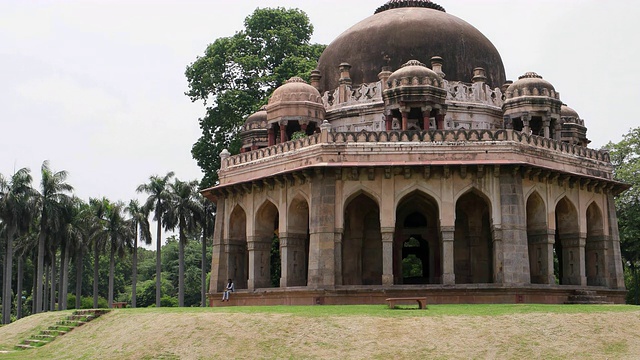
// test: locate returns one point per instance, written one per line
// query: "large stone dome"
(404, 30)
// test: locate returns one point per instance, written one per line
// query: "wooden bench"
(119, 305)
(422, 301)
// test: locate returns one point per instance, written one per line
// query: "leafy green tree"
(16, 210)
(158, 190)
(625, 156)
(236, 74)
(140, 218)
(53, 194)
(185, 211)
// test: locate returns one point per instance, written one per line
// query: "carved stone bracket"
(371, 173)
(426, 172)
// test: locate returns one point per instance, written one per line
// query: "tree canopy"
(236, 74)
(625, 156)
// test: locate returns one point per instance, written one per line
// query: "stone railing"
(433, 137)
(478, 93)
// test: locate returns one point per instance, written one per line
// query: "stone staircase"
(587, 297)
(78, 318)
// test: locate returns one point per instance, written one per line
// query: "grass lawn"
(353, 332)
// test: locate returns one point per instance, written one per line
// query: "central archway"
(417, 243)
(473, 245)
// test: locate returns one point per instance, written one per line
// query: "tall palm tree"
(119, 231)
(185, 212)
(16, 210)
(158, 190)
(53, 193)
(140, 218)
(81, 231)
(76, 236)
(98, 239)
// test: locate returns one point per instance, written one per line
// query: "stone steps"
(78, 318)
(587, 297)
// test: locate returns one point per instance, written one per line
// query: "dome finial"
(394, 4)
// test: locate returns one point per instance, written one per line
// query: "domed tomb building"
(410, 166)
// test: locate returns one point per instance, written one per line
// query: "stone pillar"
(322, 230)
(573, 261)
(614, 260)
(283, 131)
(387, 257)
(508, 123)
(515, 255)
(218, 263)
(388, 122)
(292, 258)
(271, 133)
(259, 263)
(547, 127)
(440, 121)
(525, 123)
(426, 115)
(447, 259)
(405, 119)
(541, 255)
(337, 253)
(596, 248)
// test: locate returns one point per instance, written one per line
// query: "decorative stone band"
(457, 92)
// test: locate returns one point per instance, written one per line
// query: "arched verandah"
(595, 248)
(237, 254)
(264, 253)
(539, 242)
(362, 243)
(472, 244)
(416, 250)
(568, 248)
(294, 244)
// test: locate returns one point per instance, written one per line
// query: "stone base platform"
(436, 294)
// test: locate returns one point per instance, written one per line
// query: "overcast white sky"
(97, 87)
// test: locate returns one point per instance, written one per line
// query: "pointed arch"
(473, 245)
(539, 246)
(237, 255)
(362, 241)
(266, 256)
(595, 247)
(294, 243)
(418, 188)
(567, 247)
(360, 190)
(416, 248)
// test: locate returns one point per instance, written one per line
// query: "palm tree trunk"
(79, 258)
(181, 266)
(111, 266)
(203, 274)
(45, 290)
(64, 286)
(96, 264)
(39, 293)
(134, 273)
(34, 257)
(19, 286)
(6, 284)
(54, 272)
(158, 262)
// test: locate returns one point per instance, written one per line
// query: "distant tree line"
(58, 251)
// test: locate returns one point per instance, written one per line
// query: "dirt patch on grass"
(203, 335)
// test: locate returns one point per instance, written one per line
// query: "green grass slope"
(341, 332)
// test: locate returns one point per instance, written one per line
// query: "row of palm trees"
(50, 222)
